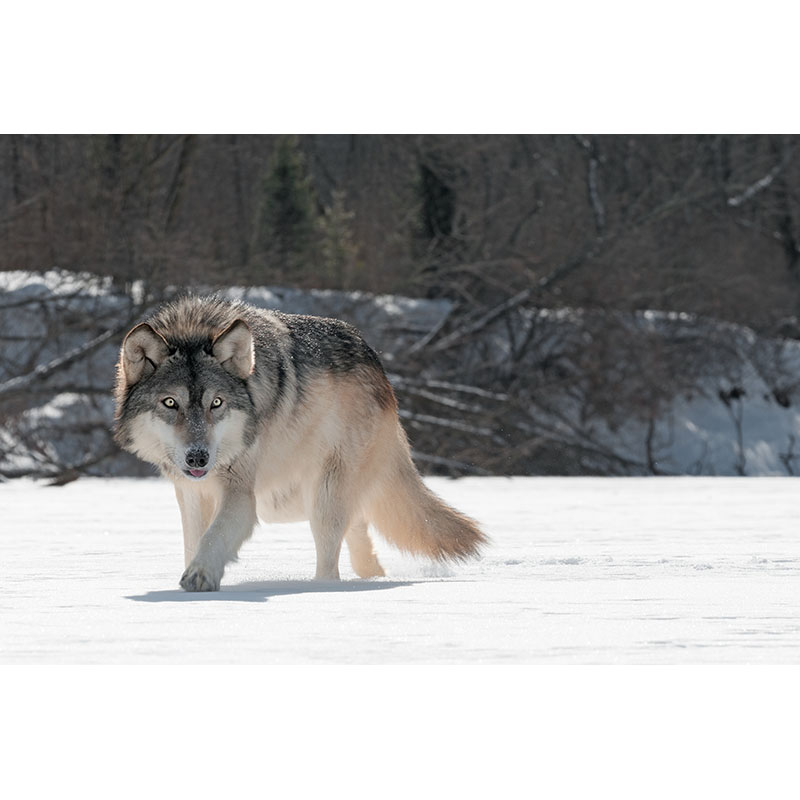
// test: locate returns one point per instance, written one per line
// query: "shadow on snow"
(261, 591)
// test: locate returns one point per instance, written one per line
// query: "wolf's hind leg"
(330, 517)
(362, 553)
(328, 531)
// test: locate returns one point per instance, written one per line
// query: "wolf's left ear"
(233, 348)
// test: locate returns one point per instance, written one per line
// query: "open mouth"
(196, 473)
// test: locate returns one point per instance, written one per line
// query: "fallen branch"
(761, 184)
(448, 462)
(431, 335)
(399, 380)
(22, 382)
(479, 324)
(453, 424)
(517, 300)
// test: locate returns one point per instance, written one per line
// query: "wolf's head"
(184, 404)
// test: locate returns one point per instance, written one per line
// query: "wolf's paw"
(199, 579)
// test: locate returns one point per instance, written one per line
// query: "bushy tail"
(415, 520)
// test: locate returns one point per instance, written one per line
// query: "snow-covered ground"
(581, 570)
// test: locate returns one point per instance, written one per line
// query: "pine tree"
(339, 257)
(286, 224)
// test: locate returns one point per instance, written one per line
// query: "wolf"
(257, 414)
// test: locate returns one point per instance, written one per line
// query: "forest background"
(544, 253)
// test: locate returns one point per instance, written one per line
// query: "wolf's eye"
(216, 402)
(169, 402)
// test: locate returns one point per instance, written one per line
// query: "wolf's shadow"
(261, 591)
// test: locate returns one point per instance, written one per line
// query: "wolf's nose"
(196, 458)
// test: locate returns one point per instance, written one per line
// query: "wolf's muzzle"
(196, 461)
(196, 458)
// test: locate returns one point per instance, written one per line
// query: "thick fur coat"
(258, 414)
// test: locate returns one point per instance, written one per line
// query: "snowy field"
(581, 570)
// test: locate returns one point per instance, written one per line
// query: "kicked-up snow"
(580, 570)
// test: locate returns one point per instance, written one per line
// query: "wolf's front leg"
(197, 513)
(219, 545)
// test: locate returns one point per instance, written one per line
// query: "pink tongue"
(198, 473)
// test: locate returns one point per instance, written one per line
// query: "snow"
(53, 283)
(729, 403)
(581, 570)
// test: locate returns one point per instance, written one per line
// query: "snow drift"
(528, 390)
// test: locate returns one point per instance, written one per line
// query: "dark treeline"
(706, 224)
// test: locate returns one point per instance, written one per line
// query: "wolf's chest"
(281, 504)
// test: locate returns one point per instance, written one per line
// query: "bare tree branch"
(762, 183)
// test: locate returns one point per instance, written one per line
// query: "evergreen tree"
(286, 224)
(339, 257)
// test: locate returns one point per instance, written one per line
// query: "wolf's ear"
(233, 348)
(142, 351)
